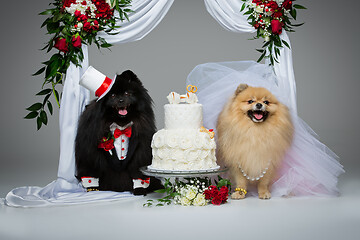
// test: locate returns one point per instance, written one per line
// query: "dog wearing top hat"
(114, 135)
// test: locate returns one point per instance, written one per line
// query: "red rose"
(276, 27)
(287, 4)
(277, 14)
(103, 7)
(95, 26)
(108, 145)
(207, 194)
(224, 192)
(272, 5)
(216, 200)
(67, 3)
(77, 13)
(87, 27)
(76, 41)
(83, 17)
(61, 44)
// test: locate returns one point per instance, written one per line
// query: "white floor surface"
(251, 218)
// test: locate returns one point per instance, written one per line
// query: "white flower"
(190, 194)
(267, 38)
(199, 200)
(185, 201)
(259, 9)
(109, 2)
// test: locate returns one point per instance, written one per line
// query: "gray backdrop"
(325, 54)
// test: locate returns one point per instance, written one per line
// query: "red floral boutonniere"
(107, 144)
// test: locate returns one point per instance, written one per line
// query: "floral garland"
(72, 23)
(270, 18)
(193, 192)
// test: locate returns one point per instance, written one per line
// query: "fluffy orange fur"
(249, 145)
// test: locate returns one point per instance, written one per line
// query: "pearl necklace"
(258, 177)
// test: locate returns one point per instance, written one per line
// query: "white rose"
(259, 9)
(267, 38)
(185, 201)
(190, 194)
(199, 200)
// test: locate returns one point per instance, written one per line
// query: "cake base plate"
(182, 173)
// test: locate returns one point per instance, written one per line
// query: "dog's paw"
(238, 195)
(265, 195)
(140, 191)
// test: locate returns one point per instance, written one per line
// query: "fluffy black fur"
(115, 175)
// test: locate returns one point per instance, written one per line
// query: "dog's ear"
(241, 88)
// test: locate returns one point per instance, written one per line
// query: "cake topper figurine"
(190, 97)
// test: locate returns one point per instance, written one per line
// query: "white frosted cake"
(183, 145)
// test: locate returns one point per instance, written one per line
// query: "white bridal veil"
(313, 171)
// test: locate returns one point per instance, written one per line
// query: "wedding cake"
(184, 144)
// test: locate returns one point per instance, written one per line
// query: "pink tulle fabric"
(309, 168)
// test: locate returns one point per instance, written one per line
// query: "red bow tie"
(126, 132)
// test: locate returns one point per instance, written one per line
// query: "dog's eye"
(250, 101)
(127, 93)
(113, 95)
(266, 102)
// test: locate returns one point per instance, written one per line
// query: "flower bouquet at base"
(193, 192)
(270, 18)
(70, 24)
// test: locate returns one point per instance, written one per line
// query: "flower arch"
(146, 15)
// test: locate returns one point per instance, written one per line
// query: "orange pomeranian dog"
(254, 132)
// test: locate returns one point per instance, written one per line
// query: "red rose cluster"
(271, 9)
(88, 22)
(106, 144)
(103, 9)
(216, 196)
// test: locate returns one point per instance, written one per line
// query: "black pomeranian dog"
(126, 104)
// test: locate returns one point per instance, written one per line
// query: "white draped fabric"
(227, 14)
(66, 189)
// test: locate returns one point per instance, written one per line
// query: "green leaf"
(286, 44)
(47, 12)
(260, 50)
(40, 71)
(43, 117)
(160, 191)
(297, 25)
(44, 92)
(293, 13)
(38, 122)
(298, 6)
(106, 45)
(243, 7)
(35, 107)
(31, 115)
(261, 57)
(50, 107)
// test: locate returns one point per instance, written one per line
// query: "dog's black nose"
(258, 105)
(121, 100)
